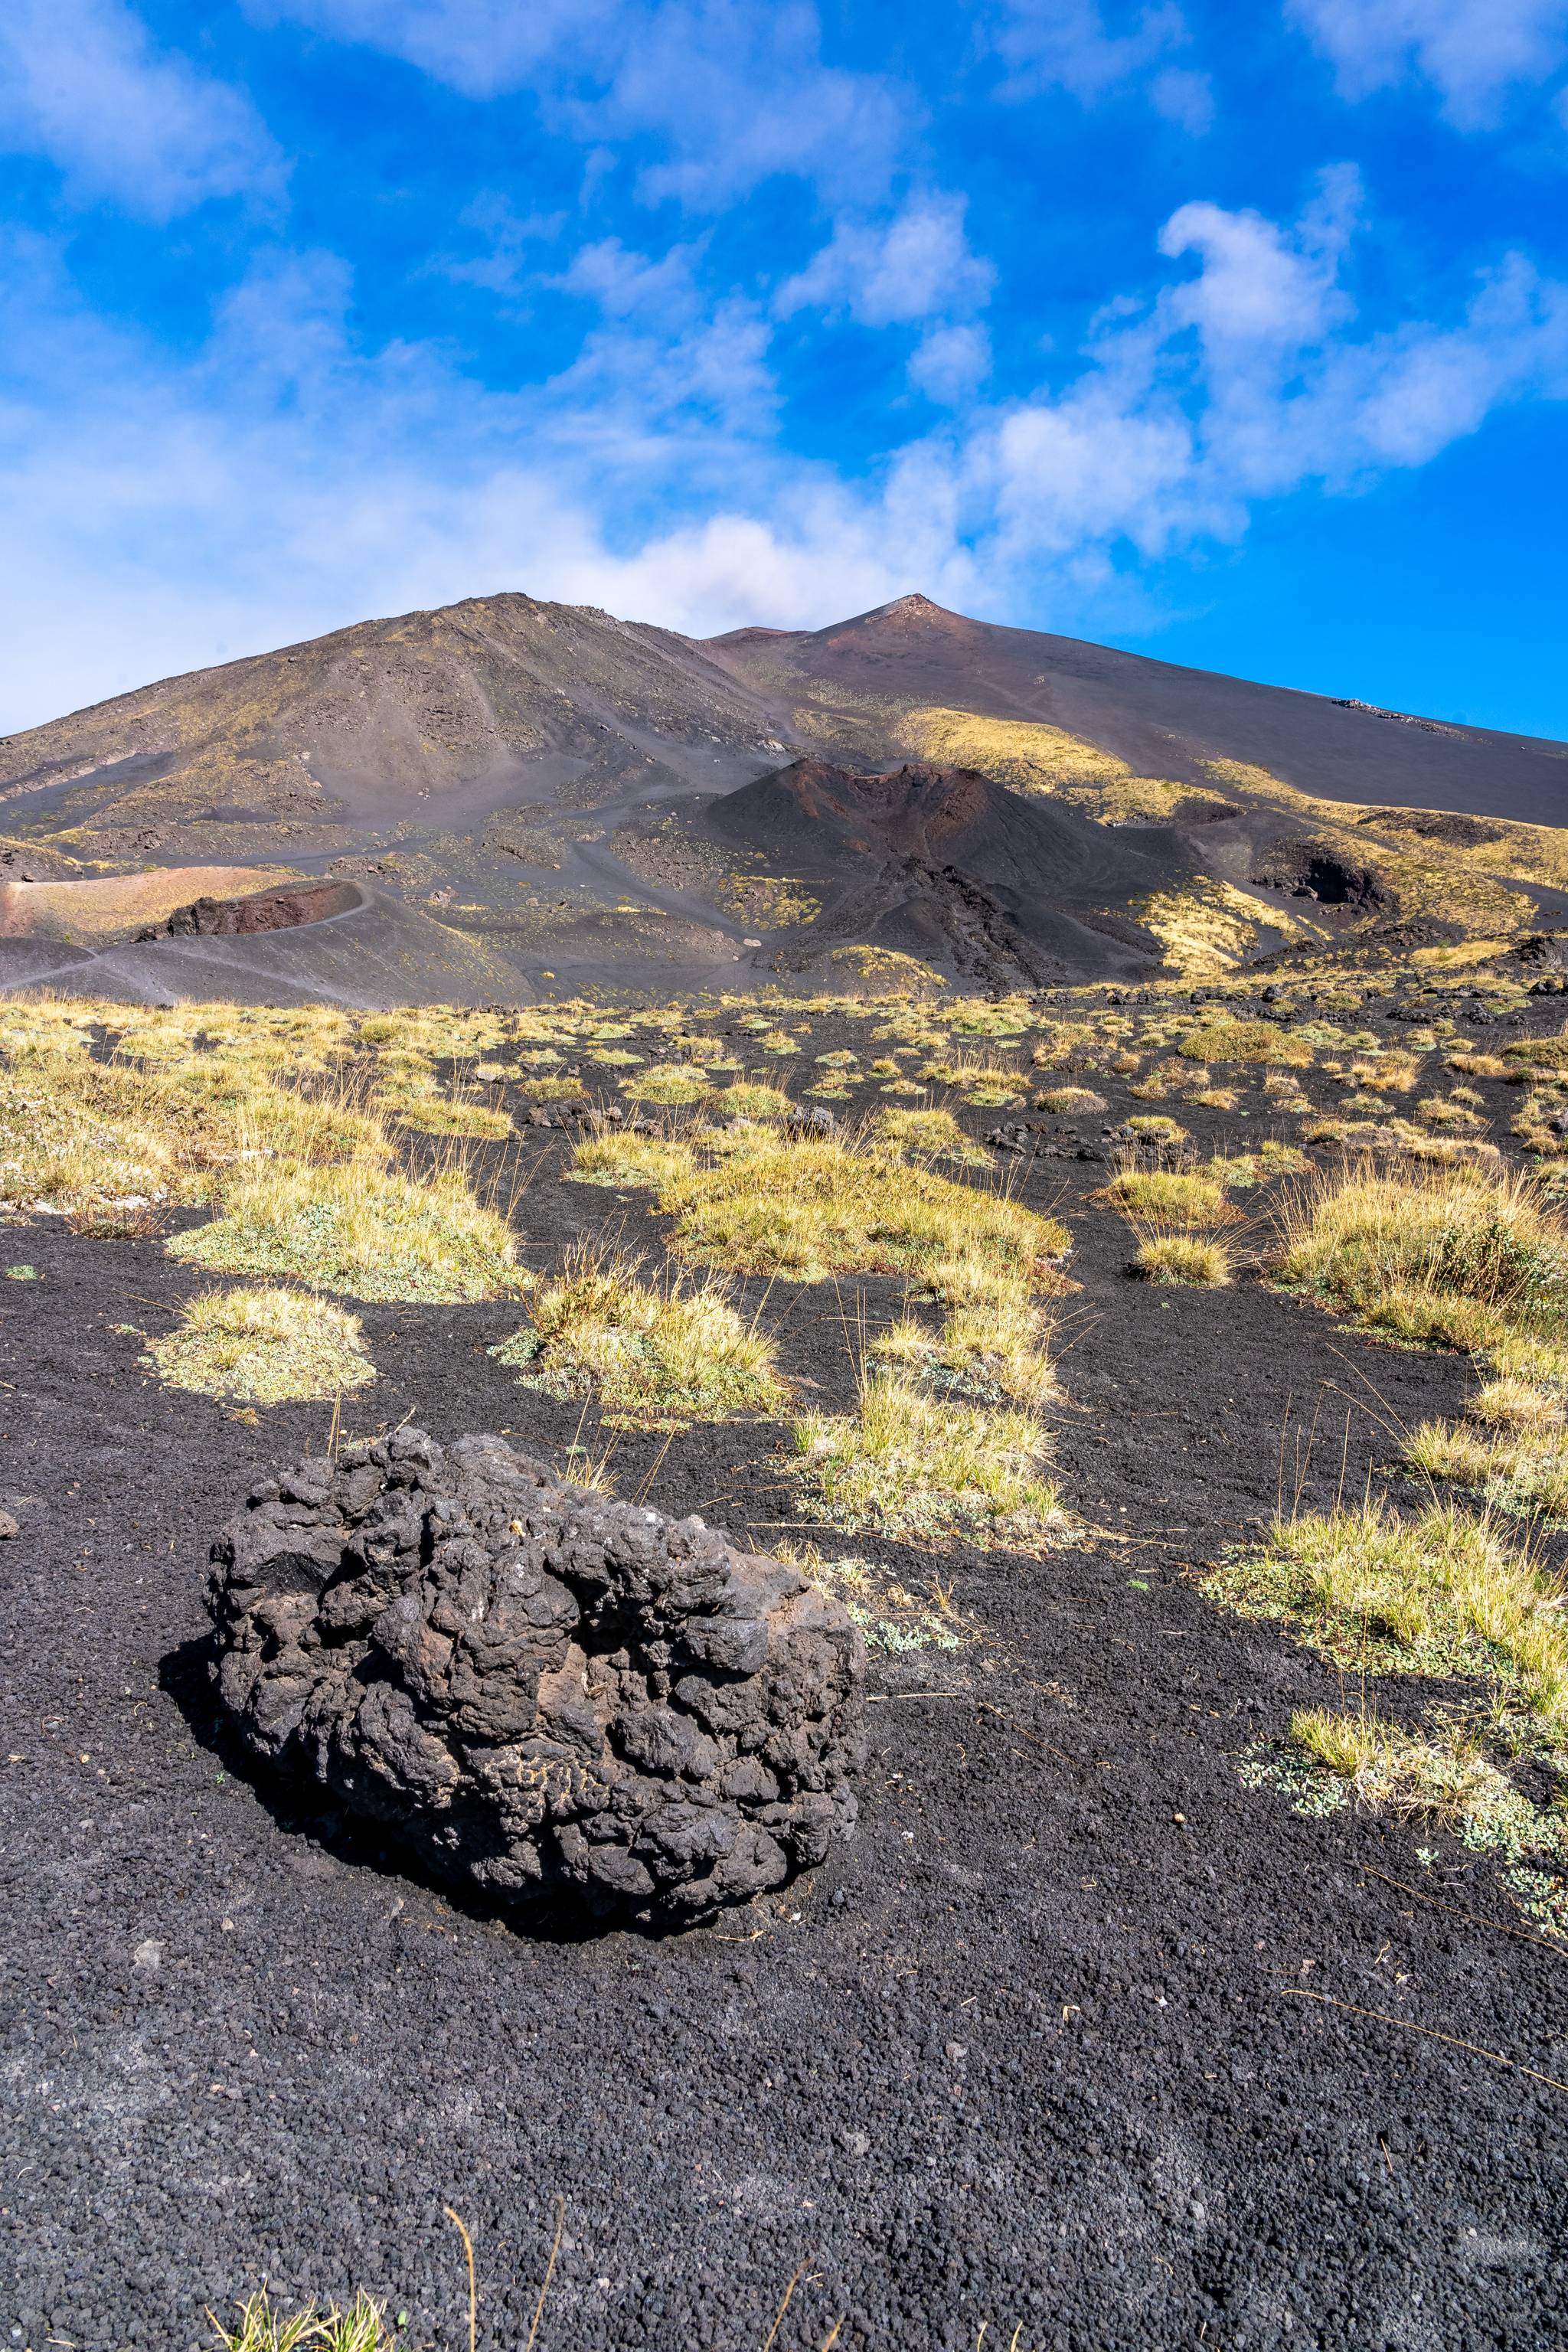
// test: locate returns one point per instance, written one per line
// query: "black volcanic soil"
(1026, 2053)
(945, 863)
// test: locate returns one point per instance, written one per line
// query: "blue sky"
(1237, 334)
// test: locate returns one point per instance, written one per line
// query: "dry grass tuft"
(666, 1356)
(667, 1083)
(930, 1468)
(1071, 1102)
(996, 1346)
(926, 1135)
(743, 1100)
(1447, 1776)
(84, 1136)
(262, 2328)
(1164, 1196)
(263, 1347)
(1441, 1594)
(1509, 1402)
(1200, 1260)
(1453, 1255)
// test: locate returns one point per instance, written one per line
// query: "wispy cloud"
(1471, 51)
(1247, 379)
(287, 478)
(1067, 45)
(83, 84)
(895, 272)
(728, 92)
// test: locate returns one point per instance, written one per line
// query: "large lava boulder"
(544, 1692)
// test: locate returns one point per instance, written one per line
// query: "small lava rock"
(543, 1692)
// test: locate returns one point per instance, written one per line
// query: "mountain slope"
(852, 689)
(582, 802)
(453, 713)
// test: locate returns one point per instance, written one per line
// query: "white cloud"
(284, 480)
(1065, 45)
(894, 273)
(1471, 50)
(1183, 96)
(482, 47)
(733, 92)
(1247, 381)
(950, 364)
(1261, 284)
(510, 239)
(82, 84)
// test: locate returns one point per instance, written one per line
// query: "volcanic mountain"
(536, 796)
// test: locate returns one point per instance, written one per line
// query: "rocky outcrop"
(545, 1693)
(268, 910)
(1316, 869)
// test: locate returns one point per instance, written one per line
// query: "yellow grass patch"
(263, 1347)
(664, 1355)
(1165, 1196)
(1441, 1594)
(751, 1201)
(360, 1229)
(1458, 1256)
(930, 1468)
(1202, 1261)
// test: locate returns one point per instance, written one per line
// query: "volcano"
(567, 800)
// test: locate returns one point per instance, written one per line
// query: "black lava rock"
(542, 1691)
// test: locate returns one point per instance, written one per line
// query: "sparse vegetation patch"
(263, 1347)
(930, 1468)
(668, 1355)
(363, 1231)
(1454, 1255)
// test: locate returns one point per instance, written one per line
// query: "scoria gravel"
(1029, 2050)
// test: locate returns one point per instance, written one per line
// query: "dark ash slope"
(1162, 719)
(944, 863)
